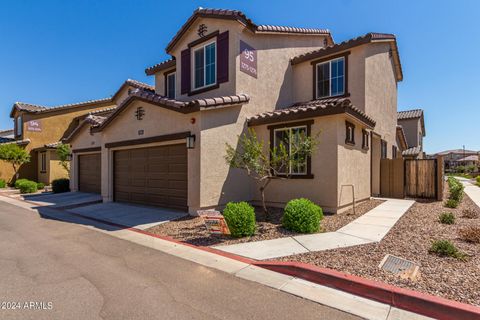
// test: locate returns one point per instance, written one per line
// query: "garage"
(89, 173)
(155, 176)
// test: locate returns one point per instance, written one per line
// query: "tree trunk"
(262, 192)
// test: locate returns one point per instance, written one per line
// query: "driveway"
(137, 216)
(86, 274)
(63, 200)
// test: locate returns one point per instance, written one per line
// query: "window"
(364, 139)
(287, 138)
(384, 149)
(330, 78)
(170, 85)
(43, 162)
(350, 133)
(19, 126)
(204, 66)
(394, 152)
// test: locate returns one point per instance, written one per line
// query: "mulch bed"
(192, 229)
(411, 239)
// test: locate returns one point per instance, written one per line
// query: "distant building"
(458, 157)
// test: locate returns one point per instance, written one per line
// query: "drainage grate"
(399, 266)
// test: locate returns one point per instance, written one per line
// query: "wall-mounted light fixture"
(191, 141)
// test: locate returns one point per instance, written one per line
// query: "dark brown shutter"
(222, 57)
(185, 81)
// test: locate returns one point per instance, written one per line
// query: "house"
(470, 161)
(226, 74)
(411, 124)
(39, 130)
(6, 135)
(457, 157)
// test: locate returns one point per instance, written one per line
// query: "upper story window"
(364, 139)
(383, 145)
(350, 133)
(286, 138)
(330, 78)
(19, 126)
(170, 80)
(394, 152)
(205, 66)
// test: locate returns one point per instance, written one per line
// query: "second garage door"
(89, 173)
(152, 176)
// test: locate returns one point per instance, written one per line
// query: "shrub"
(40, 186)
(302, 215)
(19, 182)
(28, 187)
(447, 218)
(3, 183)
(61, 185)
(456, 189)
(470, 234)
(445, 248)
(240, 218)
(450, 203)
(478, 181)
(469, 214)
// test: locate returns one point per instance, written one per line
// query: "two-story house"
(412, 123)
(39, 129)
(458, 157)
(227, 74)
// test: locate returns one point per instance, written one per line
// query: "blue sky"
(56, 52)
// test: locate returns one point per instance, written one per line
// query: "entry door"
(89, 173)
(152, 176)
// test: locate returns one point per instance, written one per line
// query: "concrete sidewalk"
(369, 228)
(471, 190)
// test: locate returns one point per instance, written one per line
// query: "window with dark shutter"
(383, 144)
(222, 57)
(349, 133)
(365, 139)
(185, 63)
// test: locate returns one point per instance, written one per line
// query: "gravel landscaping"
(411, 239)
(192, 229)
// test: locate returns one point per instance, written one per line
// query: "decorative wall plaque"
(139, 113)
(202, 29)
(248, 59)
(34, 126)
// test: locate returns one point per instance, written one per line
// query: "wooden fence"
(421, 178)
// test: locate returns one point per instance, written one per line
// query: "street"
(57, 270)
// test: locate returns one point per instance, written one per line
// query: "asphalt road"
(71, 272)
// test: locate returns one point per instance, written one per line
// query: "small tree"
(64, 152)
(15, 155)
(292, 151)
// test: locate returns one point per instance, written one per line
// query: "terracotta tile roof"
(469, 158)
(52, 145)
(104, 110)
(345, 45)
(32, 108)
(312, 109)
(401, 135)
(139, 85)
(167, 64)
(409, 114)
(242, 18)
(457, 151)
(95, 121)
(176, 105)
(413, 151)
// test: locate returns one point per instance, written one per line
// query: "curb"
(422, 303)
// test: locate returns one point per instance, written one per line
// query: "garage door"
(153, 176)
(89, 173)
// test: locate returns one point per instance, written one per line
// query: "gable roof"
(175, 105)
(402, 137)
(469, 158)
(412, 114)
(135, 84)
(310, 109)
(371, 37)
(457, 151)
(243, 19)
(164, 65)
(413, 151)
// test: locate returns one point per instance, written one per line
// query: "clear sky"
(56, 52)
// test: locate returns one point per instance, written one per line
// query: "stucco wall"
(413, 131)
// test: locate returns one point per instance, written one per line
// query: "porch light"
(191, 141)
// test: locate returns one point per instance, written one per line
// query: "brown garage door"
(89, 173)
(153, 176)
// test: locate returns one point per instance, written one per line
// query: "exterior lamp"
(191, 141)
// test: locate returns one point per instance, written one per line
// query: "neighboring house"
(39, 129)
(412, 124)
(453, 158)
(6, 136)
(468, 161)
(225, 74)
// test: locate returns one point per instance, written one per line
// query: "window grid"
(171, 85)
(293, 133)
(205, 69)
(330, 78)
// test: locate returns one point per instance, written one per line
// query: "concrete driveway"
(64, 200)
(140, 217)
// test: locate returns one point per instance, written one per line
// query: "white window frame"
(19, 126)
(174, 74)
(202, 47)
(329, 62)
(290, 148)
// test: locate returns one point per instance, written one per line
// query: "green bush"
(302, 215)
(240, 218)
(447, 218)
(61, 185)
(456, 189)
(478, 181)
(3, 183)
(40, 186)
(450, 203)
(445, 248)
(19, 182)
(28, 187)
